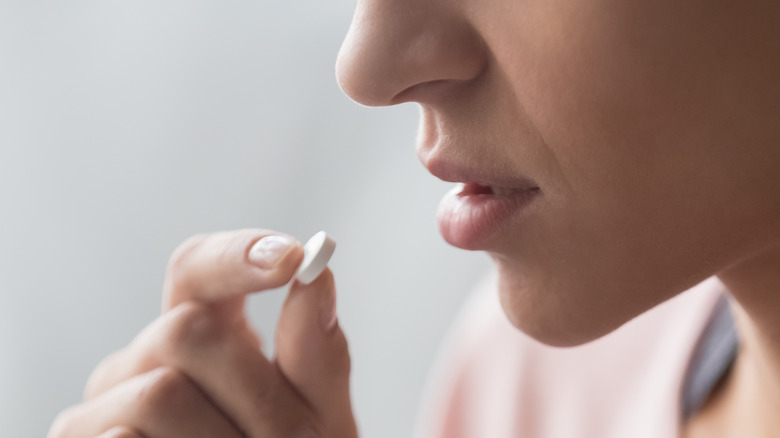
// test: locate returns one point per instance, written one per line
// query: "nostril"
(428, 92)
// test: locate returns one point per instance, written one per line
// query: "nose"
(407, 50)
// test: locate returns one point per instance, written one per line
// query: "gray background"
(128, 125)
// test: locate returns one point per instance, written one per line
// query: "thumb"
(312, 353)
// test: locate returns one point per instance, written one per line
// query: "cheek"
(640, 209)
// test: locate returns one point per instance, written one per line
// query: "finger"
(120, 432)
(312, 352)
(160, 403)
(188, 331)
(226, 364)
(220, 266)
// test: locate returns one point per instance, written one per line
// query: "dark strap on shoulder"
(712, 358)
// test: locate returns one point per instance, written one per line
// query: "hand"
(198, 369)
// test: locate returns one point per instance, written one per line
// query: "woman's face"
(649, 127)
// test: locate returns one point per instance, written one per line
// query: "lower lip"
(469, 221)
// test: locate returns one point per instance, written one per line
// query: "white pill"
(316, 253)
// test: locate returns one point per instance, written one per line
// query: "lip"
(472, 215)
(469, 218)
(452, 172)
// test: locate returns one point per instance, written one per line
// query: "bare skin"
(199, 371)
(649, 129)
(748, 401)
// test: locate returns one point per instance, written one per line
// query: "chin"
(557, 315)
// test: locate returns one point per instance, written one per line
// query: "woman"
(614, 153)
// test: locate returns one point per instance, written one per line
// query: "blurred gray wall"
(126, 126)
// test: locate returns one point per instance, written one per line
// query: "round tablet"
(316, 253)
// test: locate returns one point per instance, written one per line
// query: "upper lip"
(452, 171)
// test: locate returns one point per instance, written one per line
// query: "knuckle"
(120, 432)
(194, 324)
(96, 382)
(216, 251)
(183, 253)
(162, 389)
(63, 425)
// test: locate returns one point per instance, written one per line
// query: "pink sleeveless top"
(492, 381)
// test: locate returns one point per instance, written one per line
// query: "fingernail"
(328, 314)
(269, 250)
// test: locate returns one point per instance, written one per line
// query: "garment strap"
(712, 358)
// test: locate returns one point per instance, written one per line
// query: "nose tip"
(394, 46)
(359, 74)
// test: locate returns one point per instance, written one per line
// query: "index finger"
(219, 266)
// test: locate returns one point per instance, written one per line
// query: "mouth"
(474, 216)
(477, 179)
(475, 189)
(487, 202)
